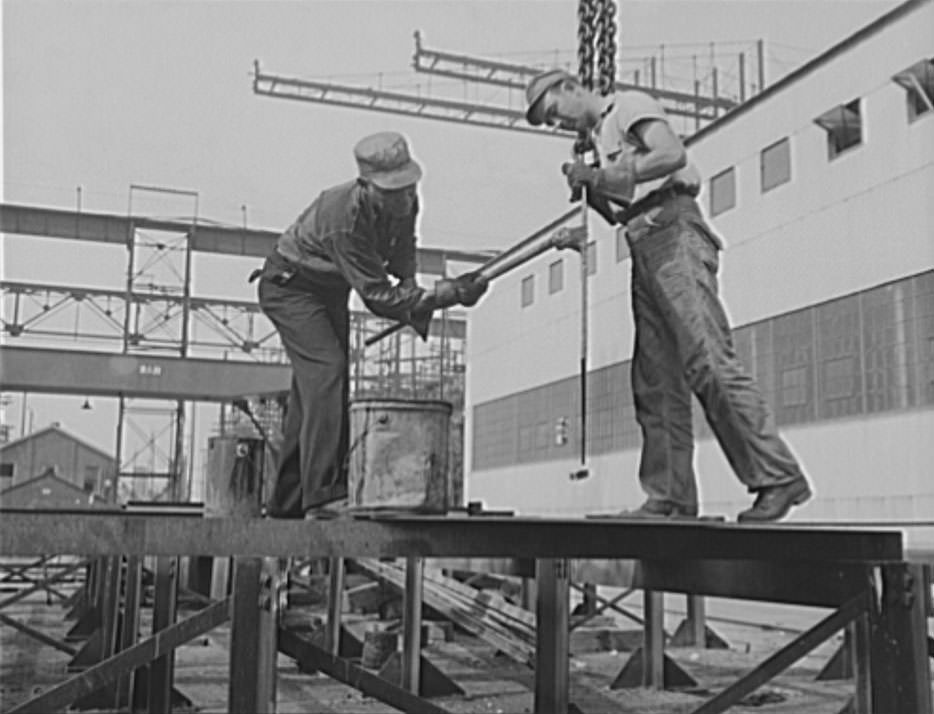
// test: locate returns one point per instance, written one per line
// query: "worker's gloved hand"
(470, 288)
(445, 293)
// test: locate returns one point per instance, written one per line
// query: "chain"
(586, 16)
(606, 46)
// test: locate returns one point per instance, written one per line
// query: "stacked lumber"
(487, 615)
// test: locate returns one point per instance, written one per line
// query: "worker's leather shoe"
(657, 508)
(326, 511)
(773, 502)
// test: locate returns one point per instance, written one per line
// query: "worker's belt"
(282, 271)
(654, 199)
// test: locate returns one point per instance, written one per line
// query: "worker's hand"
(580, 174)
(445, 293)
(470, 288)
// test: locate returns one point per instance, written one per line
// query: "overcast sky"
(103, 94)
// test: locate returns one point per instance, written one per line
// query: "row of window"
(866, 353)
(556, 276)
(844, 127)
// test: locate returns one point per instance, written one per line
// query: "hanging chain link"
(586, 16)
(606, 46)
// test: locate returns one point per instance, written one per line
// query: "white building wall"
(839, 226)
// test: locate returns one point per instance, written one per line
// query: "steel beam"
(37, 635)
(785, 657)
(312, 657)
(34, 369)
(25, 532)
(228, 240)
(62, 695)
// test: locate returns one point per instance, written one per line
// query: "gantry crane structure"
(512, 77)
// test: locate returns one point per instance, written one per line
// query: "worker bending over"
(682, 336)
(352, 237)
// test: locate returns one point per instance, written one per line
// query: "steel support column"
(412, 624)
(335, 605)
(653, 647)
(551, 643)
(901, 679)
(162, 670)
(253, 643)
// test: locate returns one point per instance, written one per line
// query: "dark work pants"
(313, 324)
(683, 345)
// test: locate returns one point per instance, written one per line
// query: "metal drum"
(398, 456)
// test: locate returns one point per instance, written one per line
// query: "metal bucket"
(399, 455)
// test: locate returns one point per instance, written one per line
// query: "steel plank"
(30, 533)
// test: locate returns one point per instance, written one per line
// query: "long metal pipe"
(530, 247)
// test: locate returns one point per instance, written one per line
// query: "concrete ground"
(493, 683)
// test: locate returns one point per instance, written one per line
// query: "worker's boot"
(773, 502)
(659, 509)
(327, 511)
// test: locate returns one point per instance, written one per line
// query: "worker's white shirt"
(614, 135)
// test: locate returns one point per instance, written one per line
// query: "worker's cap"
(535, 92)
(384, 160)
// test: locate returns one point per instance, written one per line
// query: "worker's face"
(398, 202)
(564, 105)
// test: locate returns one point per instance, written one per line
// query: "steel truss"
(863, 576)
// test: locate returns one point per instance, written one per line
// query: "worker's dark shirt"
(341, 239)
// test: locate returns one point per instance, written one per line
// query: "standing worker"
(353, 236)
(682, 335)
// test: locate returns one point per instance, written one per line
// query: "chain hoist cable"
(586, 18)
(606, 46)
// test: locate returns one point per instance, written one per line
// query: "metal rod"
(522, 252)
(584, 265)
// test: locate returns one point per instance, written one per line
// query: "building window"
(775, 164)
(723, 191)
(528, 290)
(844, 127)
(555, 276)
(591, 258)
(622, 247)
(6, 470)
(92, 475)
(918, 82)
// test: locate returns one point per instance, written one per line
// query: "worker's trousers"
(313, 324)
(683, 345)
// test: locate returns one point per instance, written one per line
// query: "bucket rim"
(404, 403)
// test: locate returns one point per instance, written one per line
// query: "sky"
(101, 94)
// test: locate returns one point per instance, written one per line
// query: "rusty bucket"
(398, 457)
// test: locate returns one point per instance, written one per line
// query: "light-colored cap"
(535, 92)
(384, 160)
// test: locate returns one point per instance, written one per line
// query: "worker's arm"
(356, 258)
(402, 261)
(662, 154)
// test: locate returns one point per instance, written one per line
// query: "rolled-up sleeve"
(362, 268)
